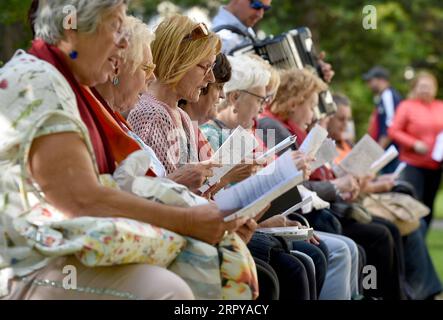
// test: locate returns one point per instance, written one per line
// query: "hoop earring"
(73, 54)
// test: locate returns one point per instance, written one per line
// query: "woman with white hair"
(245, 99)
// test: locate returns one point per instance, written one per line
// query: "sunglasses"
(148, 69)
(200, 31)
(263, 100)
(258, 5)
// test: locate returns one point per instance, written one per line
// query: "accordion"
(293, 49)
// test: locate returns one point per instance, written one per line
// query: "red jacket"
(414, 121)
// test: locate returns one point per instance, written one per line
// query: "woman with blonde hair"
(417, 129)
(184, 53)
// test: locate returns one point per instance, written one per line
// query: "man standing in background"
(386, 100)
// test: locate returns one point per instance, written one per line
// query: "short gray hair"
(48, 23)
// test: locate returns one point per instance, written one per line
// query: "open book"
(437, 151)
(252, 195)
(359, 161)
(233, 151)
(390, 154)
(277, 148)
(295, 233)
(313, 141)
(326, 154)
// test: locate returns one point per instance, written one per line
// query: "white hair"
(247, 73)
(51, 14)
(140, 41)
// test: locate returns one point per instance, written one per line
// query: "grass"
(435, 245)
(435, 236)
(438, 205)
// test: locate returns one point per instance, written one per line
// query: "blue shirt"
(386, 105)
(231, 40)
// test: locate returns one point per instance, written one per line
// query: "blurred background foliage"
(409, 34)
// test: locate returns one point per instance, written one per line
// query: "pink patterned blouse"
(174, 144)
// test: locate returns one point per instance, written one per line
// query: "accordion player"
(293, 49)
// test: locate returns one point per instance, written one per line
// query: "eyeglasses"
(200, 31)
(263, 100)
(148, 69)
(207, 69)
(258, 5)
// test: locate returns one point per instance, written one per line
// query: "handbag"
(94, 241)
(401, 209)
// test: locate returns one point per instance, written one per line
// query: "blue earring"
(73, 54)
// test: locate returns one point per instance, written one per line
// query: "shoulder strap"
(233, 29)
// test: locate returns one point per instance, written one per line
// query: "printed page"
(358, 162)
(233, 151)
(279, 147)
(313, 141)
(249, 190)
(437, 152)
(326, 154)
(390, 154)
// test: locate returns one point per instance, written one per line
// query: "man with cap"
(386, 100)
(234, 24)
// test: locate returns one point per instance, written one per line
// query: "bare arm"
(62, 167)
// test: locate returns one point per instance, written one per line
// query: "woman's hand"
(193, 175)
(241, 172)
(279, 221)
(326, 68)
(347, 186)
(206, 223)
(246, 231)
(302, 163)
(420, 147)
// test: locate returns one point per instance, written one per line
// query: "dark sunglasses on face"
(258, 5)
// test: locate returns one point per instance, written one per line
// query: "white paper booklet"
(279, 147)
(437, 152)
(293, 232)
(326, 154)
(390, 154)
(255, 193)
(298, 206)
(313, 141)
(233, 151)
(399, 169)
(359, 161)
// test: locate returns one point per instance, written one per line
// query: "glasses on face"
(258, 5)
(200, 31)
(207, 69)
(263, 100)
(148, 68)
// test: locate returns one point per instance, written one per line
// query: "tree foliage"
(409, 34)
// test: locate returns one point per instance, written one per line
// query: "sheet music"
(326, 154)
(279, 147)
(313, 141)
(254, 193)
(233, 151)
(358, 162)
(437, 152)
(390, 154)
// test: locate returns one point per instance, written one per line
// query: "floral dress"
(29, 89)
